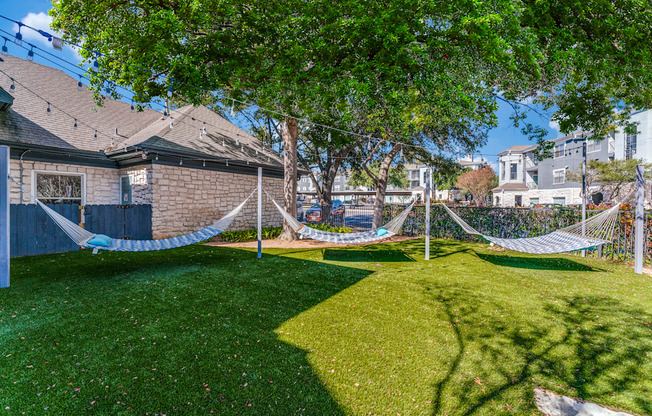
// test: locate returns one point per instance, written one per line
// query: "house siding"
(185, 199)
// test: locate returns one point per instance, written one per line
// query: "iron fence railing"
(354, 216)
(524, 222)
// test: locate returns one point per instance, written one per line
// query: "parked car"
(314, 213)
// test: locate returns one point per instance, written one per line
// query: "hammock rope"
(586, 234)
(82, 236)
(392, 228)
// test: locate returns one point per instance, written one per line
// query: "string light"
(223, 143)
(201, 134)
(116, 132)
(180, 162)
(204, 164)
(157, 156)
(30, 54)
(171, 123)
(49, 110)
(232, 108)
(170, 91)
(5, 50)
(12, 87)
(75, 126)
(95, 137)
(227, 162)
(79, 84)
(237, 142)
(96, 65)
(133, 109)
(19, 36)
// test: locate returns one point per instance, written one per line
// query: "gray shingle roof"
(27, 121)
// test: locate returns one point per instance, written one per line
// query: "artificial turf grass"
(367, 330)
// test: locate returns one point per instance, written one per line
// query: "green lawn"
(361, 330)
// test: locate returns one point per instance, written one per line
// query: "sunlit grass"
(356, 330)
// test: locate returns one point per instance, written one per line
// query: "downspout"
(20, 170)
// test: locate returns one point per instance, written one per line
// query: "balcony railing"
(532, 185)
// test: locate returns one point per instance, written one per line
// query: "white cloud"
(41, 21)
(554, 124)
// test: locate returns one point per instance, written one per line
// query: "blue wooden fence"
(33, 232)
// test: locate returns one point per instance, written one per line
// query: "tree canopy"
(478, 182)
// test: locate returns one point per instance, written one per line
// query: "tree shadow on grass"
(592, 347)
(182, 331)
(367, 255)
(536, 263)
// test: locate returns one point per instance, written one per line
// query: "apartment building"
(526, 181)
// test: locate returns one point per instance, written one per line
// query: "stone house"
(192, 166)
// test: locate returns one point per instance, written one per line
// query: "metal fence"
(524, 222)
(32, 232)
(353, 216)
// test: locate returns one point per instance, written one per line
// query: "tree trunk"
(381, 185)
(290, 134)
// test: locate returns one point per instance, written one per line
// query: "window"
(125, 190)
(559, 200)
(559, 150)
(630, 146)
(592, 146)
(502, 171)
(518, 200)
(534, 201)
(513, 171)
(497, 199)
(59, 188)
(558, 176)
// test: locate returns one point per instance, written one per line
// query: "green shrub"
(330, 228)
(250, 235)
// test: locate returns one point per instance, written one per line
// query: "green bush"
(250, 235)
(330, 228)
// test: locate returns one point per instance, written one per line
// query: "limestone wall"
(187, 199)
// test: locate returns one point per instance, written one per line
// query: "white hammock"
(84, 237)
(587, 234)
(390, 229)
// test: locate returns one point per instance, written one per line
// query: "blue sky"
(34, 13)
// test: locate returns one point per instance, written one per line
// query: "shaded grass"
(341, 331)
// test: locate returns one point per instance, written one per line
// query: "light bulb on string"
(157, 156)
(223, 143)
(171, 123)
(133, 108)
(19, 36)
(12, 87)
(5, 50)
(180, 162)
(237, 142)
(242, 148)
(95, 136)
(30, 54)
(107, 90)
(227, 162)
(204, 164)
(232, 108)
(80, 86)
(96, 65)
(201, 134)
(170, 91)
(49, 110)
(75, 126)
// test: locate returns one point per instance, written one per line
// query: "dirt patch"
(305, 243)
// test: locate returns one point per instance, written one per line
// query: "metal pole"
(640, 212)
(260, 212)
(4, 216)
(429, 174)
(584, 192)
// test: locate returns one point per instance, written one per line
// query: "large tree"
(410, 66)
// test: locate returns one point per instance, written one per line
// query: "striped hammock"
(388, 230)
(584, 235)
(82, 237)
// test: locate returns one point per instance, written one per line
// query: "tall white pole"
(4, 216)
(584, 192)
(429, 174)
(260, 212)
(640, 214)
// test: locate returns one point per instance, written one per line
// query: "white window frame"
(597, 145)
(532, 201)
(563, 151)
(559, 197)
(554, 176)
(515, 171)
(61, 173)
